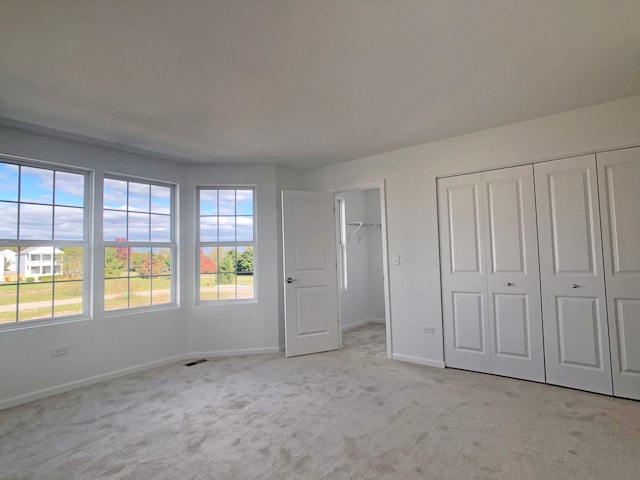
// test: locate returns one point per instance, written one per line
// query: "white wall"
(412, 223)
(107, 344)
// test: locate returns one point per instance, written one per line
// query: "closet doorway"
(362, 259)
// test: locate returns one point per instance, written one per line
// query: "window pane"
(8, 299)
(114, 225)
(140, 263)
(36, 222)
(208, 260)
(9, 222)
(116, 262)
(161, 264)
(245, 272)
(227, 229)
(69, 224)
(115, 194)
(245, 286)
(116, 293)
(140, 291)
(69, 263)
(138, 228)
(9, 182)
(35, 301)
(138, 197)
(67, 299)
(69, 189)
(208, 202)
(245, 259)
(208, 229)
(244, 202)
(244, 229)
(227, 276)
(161, 288)
(8, 265)
(160, 199)
(209, 287)
(36, 185)
(227, 202)
(160, 228)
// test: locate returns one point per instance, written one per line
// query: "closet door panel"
(463, 274)
(619, 183)
(576, 338)
(513, 283)
(512, 325)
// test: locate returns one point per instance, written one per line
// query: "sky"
(34, 189)
(51, 204)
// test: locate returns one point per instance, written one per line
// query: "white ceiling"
(305, 83)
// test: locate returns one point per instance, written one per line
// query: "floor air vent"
(195, 362)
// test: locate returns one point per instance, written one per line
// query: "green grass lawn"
(43, 312)
(39, 292)
(119, 293)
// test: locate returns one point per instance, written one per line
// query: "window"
(226, 243)
(139, 245)
(43, 228)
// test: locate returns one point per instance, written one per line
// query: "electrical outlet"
(61, 350)
(396, 259)
(429, 330)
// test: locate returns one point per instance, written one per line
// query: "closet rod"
(360, 225)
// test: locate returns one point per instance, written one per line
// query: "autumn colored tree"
(122, 253)
(207, 264)
(149, 266)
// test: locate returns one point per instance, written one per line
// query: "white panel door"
(619, 183)
(513, 281)
(311, 290)
(576, 338)
(464, 303)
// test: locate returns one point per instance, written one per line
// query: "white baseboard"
(65, 387)
(234, 353)
(362, 322)
(418, 360)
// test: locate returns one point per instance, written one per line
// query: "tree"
(245, 261)
(72, 261)
(207, 264)
(228, 267)
(137, 260)
(112, 264)
(122, 252)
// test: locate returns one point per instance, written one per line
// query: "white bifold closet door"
(576, 338)
(619, 183)
(490, 277)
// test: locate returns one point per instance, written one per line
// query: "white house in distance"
(7, 263)
(38, 261)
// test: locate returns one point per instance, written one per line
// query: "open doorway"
(362, 265)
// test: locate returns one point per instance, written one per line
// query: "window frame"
(235, 244)
(23, 244)
(171, 245)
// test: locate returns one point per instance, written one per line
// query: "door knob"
(575, 285)
(509, 284)
(291, 280)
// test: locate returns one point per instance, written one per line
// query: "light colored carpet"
(347, 414)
